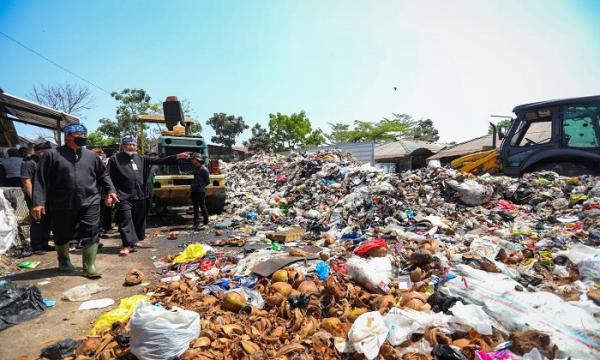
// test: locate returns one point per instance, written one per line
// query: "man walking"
(66, 183)
(39, 230)
(198, 188)
(132, 177)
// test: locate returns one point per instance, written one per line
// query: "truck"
(171, 184)
(555, 135)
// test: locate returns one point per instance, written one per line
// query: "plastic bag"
(61, 349)
(587, 260)
(82, 292)
(322, 270)
(445, 352)
(372, 247)
(8, 224)
(19, 303)
(192, 252)
(372, 272)
(402, 323)
(157, 333)
(368, 333)
(119, 314)
(471, 192)
(571, 328)
(472, 316)
(96, 304)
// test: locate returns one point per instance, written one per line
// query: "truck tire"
(564, 168)
(215, 203)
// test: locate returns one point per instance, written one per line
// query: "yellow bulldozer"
(556, 135)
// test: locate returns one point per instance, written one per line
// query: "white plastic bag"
(370, 272)
(472, 316)
(8, 224)
(402, 323)
(368, 333)
(587, 260)
(157, 333)
(82, 292)
(471, 192)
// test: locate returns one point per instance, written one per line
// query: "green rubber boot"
(89, 261)
(64, 261)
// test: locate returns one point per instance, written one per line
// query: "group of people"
(67, 189)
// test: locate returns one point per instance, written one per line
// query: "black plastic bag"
(445, 352)
(61, 349)
(19, 303)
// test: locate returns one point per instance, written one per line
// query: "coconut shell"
(280, 276)
(133, 277)
(308, 287)
(234, 301)
(282, 288)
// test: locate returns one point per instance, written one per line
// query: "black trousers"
(199, 201)
(79, 225)
(106, 217)
(131, 217)
(39, 231)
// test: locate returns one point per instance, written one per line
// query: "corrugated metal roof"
(363, 152)
(467, 147)
(35, 114)
(404, 147)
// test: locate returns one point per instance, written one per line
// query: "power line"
(53, 62)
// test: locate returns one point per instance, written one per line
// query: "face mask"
(130, 153)
(81, 141)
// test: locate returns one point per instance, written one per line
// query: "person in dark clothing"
(198, 189)
(66, 183)
(106, 212)
(39, 230)
(11, 167)
(132, 176)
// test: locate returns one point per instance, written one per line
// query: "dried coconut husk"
(525, 341)
(436, 337)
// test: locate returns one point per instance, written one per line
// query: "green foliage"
(339, 133)
(424, 131)
(503, 124)
(366, 131)
(260, 140)
(96, 138)
(315, 138)
(132, 102)
(288, 132)
(227, 128)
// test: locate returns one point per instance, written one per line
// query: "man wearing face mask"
(132, 176)
(39, 230)
(67, 183)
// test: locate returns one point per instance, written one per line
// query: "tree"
(96, 138)
(424, 131)
(367, 131)
(260, 140)
(339, 133)
(132, 102)
(503, 124)
(314, 138)
(227, 128)
(68, 98)
(288, 132)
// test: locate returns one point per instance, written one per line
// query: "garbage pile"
(328, 258)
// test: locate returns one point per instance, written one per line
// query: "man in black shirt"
(66, 182)
(198, 188)
(132, 176)
(39, 230)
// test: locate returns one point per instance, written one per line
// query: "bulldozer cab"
(558, 135)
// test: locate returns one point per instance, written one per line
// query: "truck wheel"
(215, 203)
(564, 168)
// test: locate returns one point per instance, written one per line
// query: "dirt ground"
(64, 320)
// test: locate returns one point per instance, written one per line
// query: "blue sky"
(455, 62)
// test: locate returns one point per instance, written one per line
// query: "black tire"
(215, 203)
(564, 168)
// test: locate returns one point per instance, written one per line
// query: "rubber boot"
(64, 261)
(89, 261)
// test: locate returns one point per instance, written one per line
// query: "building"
(405, 154)
(477, 144)
(219, 152)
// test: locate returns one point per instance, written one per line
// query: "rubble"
(329, 258)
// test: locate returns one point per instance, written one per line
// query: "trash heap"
(331, 259)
